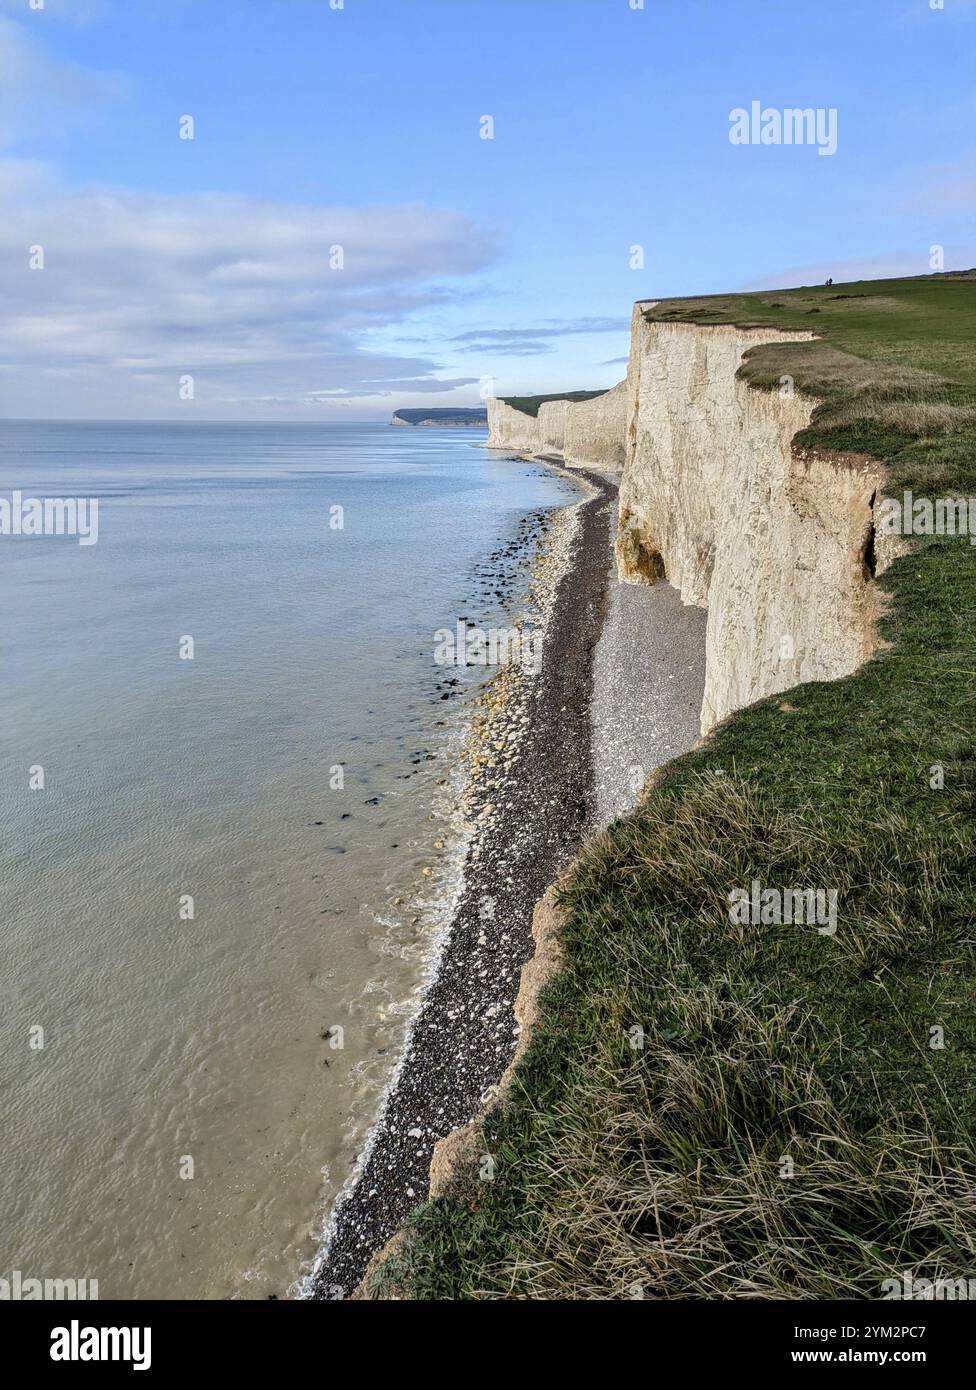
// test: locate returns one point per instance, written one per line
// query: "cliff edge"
(777, 542)
(722, 1098)
(592, 432)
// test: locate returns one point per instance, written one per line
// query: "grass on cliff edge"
(529, 405)
(659, 1171)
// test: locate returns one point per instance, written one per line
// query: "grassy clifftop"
(892, 360)
(529, 405)
(716, 1110)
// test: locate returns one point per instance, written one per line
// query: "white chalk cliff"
(593, 431)
(776, 542)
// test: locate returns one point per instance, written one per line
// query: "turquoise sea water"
(172, 1044)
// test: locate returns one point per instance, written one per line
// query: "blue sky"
(469, 264)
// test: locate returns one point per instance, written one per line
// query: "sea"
(227, 757)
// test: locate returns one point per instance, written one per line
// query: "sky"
(340, 237)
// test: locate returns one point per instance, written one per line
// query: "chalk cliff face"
(512, 429)
(593, 432)
(778, 546)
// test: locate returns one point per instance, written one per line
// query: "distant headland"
(450, 415)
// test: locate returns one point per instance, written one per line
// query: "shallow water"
(166, 1039)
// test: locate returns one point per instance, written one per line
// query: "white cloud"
(529, 342)
(138, 290)
(887, 266)
(948, 187)
(41, 97)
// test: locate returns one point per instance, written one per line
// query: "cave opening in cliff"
(640, 559)
(869, 555)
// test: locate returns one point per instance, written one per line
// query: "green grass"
(656, 1170)
(529, 405)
